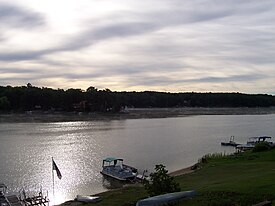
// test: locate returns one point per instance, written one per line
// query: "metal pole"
(53, 178)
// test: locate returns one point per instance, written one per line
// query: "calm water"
(79, 147)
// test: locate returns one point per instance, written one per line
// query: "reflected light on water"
(58, 198)
(26, 149)
(76, 155)
(75, 148)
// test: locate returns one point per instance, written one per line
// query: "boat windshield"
(112, 159)
(263, 138)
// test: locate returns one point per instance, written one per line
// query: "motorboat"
(115, 168)
(256, 140)
(252, 141)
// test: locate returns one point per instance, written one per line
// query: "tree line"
(29, 98)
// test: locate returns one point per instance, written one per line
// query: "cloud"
(14, 16)
(16, 71)
(233, 78)
(21, 56)
(117, 30)
(166, 81)
(149, 22)
(146, 44)
(83, 40)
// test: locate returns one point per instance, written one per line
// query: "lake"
(78, 148)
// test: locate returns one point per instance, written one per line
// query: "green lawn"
(242, 179)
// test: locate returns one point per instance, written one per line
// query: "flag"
(58, 173)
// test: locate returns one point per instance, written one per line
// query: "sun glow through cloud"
(124, 45)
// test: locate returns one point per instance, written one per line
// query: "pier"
(21, 199)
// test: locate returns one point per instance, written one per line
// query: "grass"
(242, 179)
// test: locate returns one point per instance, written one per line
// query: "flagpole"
(53, 178)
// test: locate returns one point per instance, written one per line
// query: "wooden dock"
(13, 200)
(36, 200)
(22, 199)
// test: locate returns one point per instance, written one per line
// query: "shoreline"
(183, 171)
(132, 113)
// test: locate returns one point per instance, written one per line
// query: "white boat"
(90, 199)
(252, 141)
(256, 140)
(113, 167)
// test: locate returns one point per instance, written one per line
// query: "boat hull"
(125, 173)
(113, 176)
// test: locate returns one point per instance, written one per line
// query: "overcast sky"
(127, 45)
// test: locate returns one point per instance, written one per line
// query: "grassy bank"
(242, 179)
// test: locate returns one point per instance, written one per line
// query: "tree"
(29, 85)
(4, 103)
(161, 182)
(91, 89)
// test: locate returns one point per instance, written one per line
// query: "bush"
(262, 146)
(161, 182)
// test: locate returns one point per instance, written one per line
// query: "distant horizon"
(140, 90)
(156, 45)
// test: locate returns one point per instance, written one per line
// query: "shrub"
(262, 146)
(161, 182)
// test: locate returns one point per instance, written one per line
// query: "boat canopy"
(166, 198)
(263, 138)
(111, 159)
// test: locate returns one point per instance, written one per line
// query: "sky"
(132, 45)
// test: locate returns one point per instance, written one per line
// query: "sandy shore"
(133, 113)
(183, 171)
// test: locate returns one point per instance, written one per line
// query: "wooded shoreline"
(132, 113)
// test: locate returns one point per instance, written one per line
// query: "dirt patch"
(184, 171)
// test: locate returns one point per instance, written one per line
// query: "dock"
(21, 199)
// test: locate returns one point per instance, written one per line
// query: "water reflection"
(78, 148)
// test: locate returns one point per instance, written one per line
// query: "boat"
(166, 198)
(230, 143)
(115, 168)
(90, 199)
(252, 141)
(256, 140)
